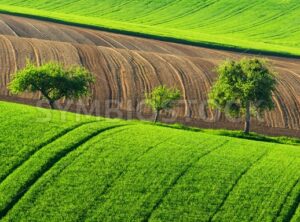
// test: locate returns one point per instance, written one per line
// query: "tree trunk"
(52, 104)
(248, 118)
(156, 116)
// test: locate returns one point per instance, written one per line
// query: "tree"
(53, 81)
(243, 88)
(162, 98)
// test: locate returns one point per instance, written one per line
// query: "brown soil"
(126, 67)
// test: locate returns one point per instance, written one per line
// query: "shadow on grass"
(234, 134)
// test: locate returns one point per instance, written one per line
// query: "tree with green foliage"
(53, 81)
(162, 98)
(243, 88)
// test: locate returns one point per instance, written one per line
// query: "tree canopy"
(53, 81)
(243, 87)
(162, 98)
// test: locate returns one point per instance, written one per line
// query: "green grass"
(58, 166)
(270, 25)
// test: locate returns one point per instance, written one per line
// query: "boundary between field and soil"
(259, 129)
(205, 44)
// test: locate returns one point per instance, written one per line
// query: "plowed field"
(126, 67)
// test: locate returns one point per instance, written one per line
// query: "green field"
(270, 25)
(58, 166)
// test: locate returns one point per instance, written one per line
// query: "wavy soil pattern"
(126, 67)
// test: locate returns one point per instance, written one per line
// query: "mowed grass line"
(109, 155)
(148, 180)
(208, 183)
(24, 154)
(243, 173)
(36, 131)
(267, 185)
(17, 183)
(288, 208)
(177, 179)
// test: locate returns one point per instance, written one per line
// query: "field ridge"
(21, 191)
(51, 140)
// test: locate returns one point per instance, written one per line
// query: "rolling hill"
(58, 166)
(126, 67)
(270, 25)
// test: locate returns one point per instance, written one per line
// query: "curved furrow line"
(177, 179)
(5, 29)
(25, 155)
(7, 55)
(155, 66)
(47, 166)
(206, 68)
(184, 73)
(164, 73)
(20, 28)
(191, 70)
(112, 76)
(127, 80)
(137, 77)
(282, 107)
(107, 38)
(200, 87)
(199, 82)
(77, 35)
(286, 97)
(93, 60)
(269, 117)
(41, 32)
(141, 72)
(13, 68)
(151, 46)
(36, 28)
(152, 74)
(180, 81)
(36, 55)
(235, 184)
(128, 43)
(112, 40)
(26, 50)
(45, 51)
(294, 101)
(95, 38)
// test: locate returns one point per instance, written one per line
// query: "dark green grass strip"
(108, 186)
(235, 183)
(293, 208)
(33, 151)
(23, 189)
(210, 45)
(177, 178)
